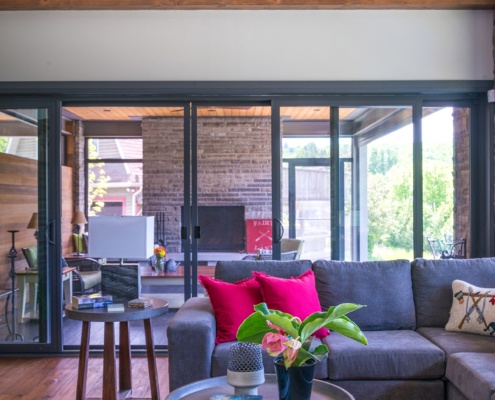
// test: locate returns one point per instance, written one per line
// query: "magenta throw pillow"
(232, 303)
(295, 296)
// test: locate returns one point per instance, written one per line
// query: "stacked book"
(91, 301)
(142, 302)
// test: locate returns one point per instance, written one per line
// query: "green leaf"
(253, 329)
(346, 327)
(302, 357)
(320, 319)
(320, 351)
(278, 318)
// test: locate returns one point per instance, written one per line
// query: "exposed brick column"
(78, 166)
(234, 168)
(462, 200)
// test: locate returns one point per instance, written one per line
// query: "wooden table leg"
(125, 379)
(109, 366)
(150, 351)
(83, 361)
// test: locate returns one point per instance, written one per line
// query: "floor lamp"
(12, 255)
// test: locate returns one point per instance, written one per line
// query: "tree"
(3, 144)
(382, 159)
(97, 181)
(390, 200)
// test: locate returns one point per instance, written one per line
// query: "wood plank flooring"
(55, 378)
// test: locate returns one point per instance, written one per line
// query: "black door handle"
(278, 230)
(49, 232)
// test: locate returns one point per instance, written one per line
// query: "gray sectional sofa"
(410, 354)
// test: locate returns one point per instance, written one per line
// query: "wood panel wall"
(67, 209)
(18, 201)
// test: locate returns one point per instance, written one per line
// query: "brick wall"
(461, 175)
(78, 166)
(234, 168)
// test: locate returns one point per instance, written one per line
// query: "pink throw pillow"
(232, 303)
(295, 296)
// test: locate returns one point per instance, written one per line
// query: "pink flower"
(290, 353)
(274, 343)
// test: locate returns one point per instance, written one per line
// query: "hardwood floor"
(55, 378)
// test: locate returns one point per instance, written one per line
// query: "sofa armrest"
(191, 340)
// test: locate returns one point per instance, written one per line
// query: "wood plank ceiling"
(137, 113)
(20, 5)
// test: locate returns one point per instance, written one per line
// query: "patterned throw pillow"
(473, 309)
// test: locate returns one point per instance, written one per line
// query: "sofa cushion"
(384, 287)
(296, 296)
(473, 374)
(90, 278)
(232, 304)
(233, 271)
(394, 389)
(457, 342)
(452, 393)
(392, 354)
(220, 359)
(31, 255)
(473, 309)
(432, 285)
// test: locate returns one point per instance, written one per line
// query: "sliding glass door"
(306, 178)
(31, 286)
(231, 167)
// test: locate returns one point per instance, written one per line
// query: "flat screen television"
(222, 228)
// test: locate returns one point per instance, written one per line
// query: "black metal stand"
(12, 255)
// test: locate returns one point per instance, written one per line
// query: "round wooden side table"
(110, 391)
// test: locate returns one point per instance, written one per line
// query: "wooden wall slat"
(67, 209)
(18, 200)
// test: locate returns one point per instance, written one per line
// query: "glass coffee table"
(214, 386)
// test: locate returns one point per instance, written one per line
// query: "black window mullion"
(276, 182)
(334, 185)
(417, 180)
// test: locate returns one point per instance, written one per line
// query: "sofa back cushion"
(432, 285)
(385, 288)
(234, 271)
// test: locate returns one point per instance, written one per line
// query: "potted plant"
(288, 339)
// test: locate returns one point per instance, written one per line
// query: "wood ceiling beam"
(23, 5)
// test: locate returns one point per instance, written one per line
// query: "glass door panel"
(134, 166)
(234, 184)
(24, 297)
(377, 176)
(446, 193)
(115, 181)
(306, 190)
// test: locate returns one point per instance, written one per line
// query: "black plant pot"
(294, 383)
